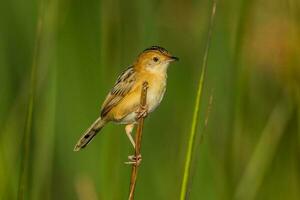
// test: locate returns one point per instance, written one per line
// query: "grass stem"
(264, 152)
(24, 168)
(187, 167)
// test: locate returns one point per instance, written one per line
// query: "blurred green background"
(250, 148)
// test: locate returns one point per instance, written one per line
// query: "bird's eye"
(155, 59)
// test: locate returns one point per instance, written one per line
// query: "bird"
(122, 104)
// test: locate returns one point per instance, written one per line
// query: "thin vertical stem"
(191, 143)
(138, 139)
(24, 168)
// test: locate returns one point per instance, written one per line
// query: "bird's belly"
(128, 119)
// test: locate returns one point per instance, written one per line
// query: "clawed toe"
(142, 112)
(133, 160)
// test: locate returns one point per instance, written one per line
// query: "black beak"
(174, 58)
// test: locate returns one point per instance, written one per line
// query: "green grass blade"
(24, 168)
(191, 142)
(264, 153)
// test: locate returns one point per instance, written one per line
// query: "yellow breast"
(156, 91)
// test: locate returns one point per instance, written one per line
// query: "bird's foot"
(134, 160)
(142, 112)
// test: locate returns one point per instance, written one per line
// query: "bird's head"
(155, 59)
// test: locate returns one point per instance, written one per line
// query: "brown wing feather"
(122, 87)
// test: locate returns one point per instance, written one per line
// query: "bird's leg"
(133, 160)
(128, 130)
(142, 112)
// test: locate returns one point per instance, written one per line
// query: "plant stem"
(191, 143)
(24, 167)
(261, 158)
(138, 139)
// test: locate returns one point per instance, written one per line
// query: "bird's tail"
(90, 133)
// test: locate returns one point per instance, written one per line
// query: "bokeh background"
(250, 148)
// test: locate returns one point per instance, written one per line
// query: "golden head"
(154, 59)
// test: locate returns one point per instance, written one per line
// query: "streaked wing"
(122, 87)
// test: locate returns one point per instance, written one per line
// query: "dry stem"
(138, 138)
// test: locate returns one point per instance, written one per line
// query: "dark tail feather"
(90, 133)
